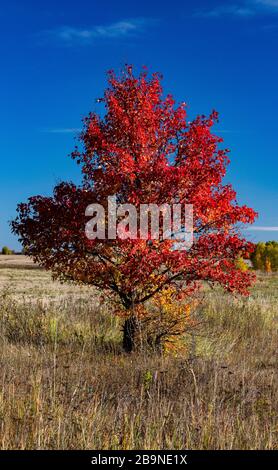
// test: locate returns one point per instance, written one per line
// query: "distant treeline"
(265, 257)
(7, 251)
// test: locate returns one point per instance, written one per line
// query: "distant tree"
(271, 252)
(265, 256)
(268, 265)
(143, 151)
(257, 257)
(241, 264)
(6, 250)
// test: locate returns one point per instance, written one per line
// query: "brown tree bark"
(130, 333)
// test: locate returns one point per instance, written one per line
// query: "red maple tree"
(143, 151)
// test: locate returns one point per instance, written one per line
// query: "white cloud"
(123, 28)
(263, 229)
(62, 130)
(242, 9)
(225, 131)
(227, 10)
(268, 3)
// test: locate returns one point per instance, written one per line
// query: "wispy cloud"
(227, 131)
(243, 9)
(226, 10)
(268, 3)
(119, 29)
(263, 229)
(62, 130)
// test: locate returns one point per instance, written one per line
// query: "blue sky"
(213, 55)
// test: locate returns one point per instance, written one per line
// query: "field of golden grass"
(65, 382)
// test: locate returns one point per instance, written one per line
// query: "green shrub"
(6, 251)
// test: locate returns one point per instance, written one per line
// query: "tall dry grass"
(66, 384)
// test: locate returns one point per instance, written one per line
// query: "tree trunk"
(130, 333)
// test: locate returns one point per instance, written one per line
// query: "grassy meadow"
(65, 382)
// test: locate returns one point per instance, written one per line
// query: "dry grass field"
(65, 382)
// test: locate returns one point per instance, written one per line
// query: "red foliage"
(144, 151)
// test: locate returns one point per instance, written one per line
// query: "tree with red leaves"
(143, 151)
